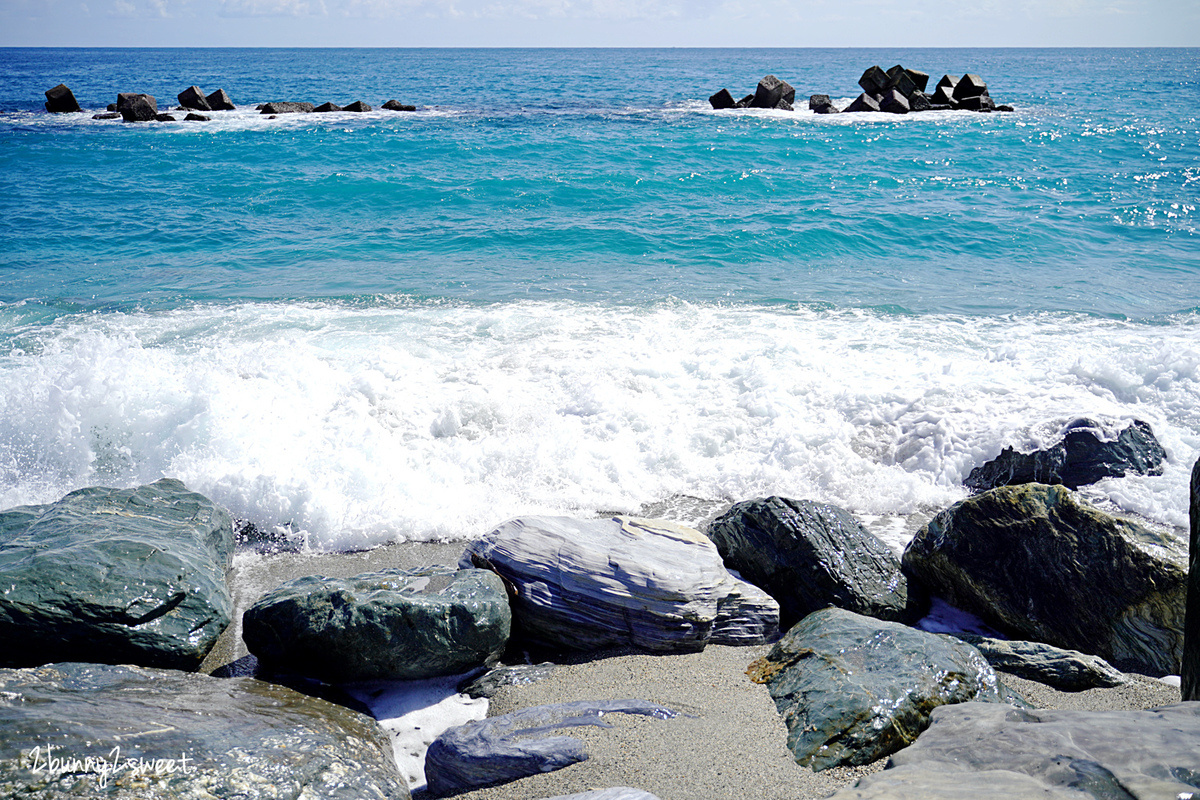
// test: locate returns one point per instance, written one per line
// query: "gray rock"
(164, 118)
(1037, 563)
(197, 118)
(852, 689)
(137, 107)
(192, 99)
(106, 116)
(358, 106)
(489, 683)
(325, 108)
(1068, 670)
(1190, 673)
(812, 555)
(919, 101)
(394, 624)
(617, 793)
(241, 738)
(770, 91)
(943, 96)
(502, 749)
(286, 108)
(821, 104)
(590, 584)
(745, 616)
(894, 101)
(901, 81)
(61, 100)
(396, 105)
(978, 103)
(969, 85)
(131, 576)
(864, 102)
(220, 101)
(874, 81)
(745, 102)
(721, 100)
(989, 752)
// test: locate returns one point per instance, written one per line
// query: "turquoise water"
(566, 285)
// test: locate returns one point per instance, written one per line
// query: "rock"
(821, 104)
(220, 101)
(990, 752)
(1086, 453)
(154, 733)
(393, 624)
(137, 107)
(325, 108)
(943, 96)
(396, 105)
(106, 116)
(919, 101)
(919, 79)
(770, 91)
(745, 102)
(502, 749)
(812, 555)
(61, 100)
(111, 107)
(192, 99)
(358, 106)
(1068, 670)
(980, 103)
(864, 102)
(784, 105)
(894, 102)
(721, 100)
(852, 689)
(287, 108)
(745, 616)
(197, 118)
(1038, 563)
(874, 81)
(1190, 673)
(898, 79)
(490, 682)
(1004, 107)
(164, 118)
(969, 86)
(590, 584)
(131, 576)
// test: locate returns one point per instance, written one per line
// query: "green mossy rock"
(115, 576)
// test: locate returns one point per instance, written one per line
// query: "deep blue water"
(566, 284)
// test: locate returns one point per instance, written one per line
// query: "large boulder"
(894, 102)
(1087, 451)
(73, 730)
(969, 85)
(133, 576)
(393, 624)
(220, 101)
(61, 100)
(652, 584)
(325, 108)
(1039, 563)
(358, 106)
(821, 104)
(989, 752)
(502, 749)
(900, 80)
(770, 91)
(853, 689)
(1190, 673)
(136, 107)
(396, 105)
(864, 102)
(874, 81)
(811, 555)
(192, 99)
(1068, 670)
(721, 100)
(284, 107)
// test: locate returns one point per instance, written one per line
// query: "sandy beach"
(727, 742)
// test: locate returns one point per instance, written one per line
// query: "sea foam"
(349, 425)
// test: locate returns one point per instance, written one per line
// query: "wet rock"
(358, 107)
(191, 735)
(1087, 451)
(864, 102)
(821, 104)
(894, 102)
(220, 101)
(325, 108)
(969, 85)
(286, 108)
(874, 81)
(721, 100)
(1190, 674)
(489, 683)
(990, 752)
(919, 101)
(1004, 107)
(589, 584)
(502, 749)
(784, 105)
(192, 99)
(1038, 563)
(137, 107)
(812, 555)
(1068, 670)
(853, 689)
(770, 91)
(393, 624)
(979, 103)
(164, 118)
(396, 105)
(61, 100)
(197, 118)
(899, 80)
(106, 116)
(745, 102)
(124, 99)
(115, 575)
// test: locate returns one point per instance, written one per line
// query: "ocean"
(565, 285)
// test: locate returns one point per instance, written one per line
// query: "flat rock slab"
(987, 751)
(1038, 563)
(132, 576)
(502, 749)
(1068, 670)
(852, 689)
(394, 624)
(652, 584)
(162, 734)
(811, 555)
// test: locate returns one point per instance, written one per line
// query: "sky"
(599, 23)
